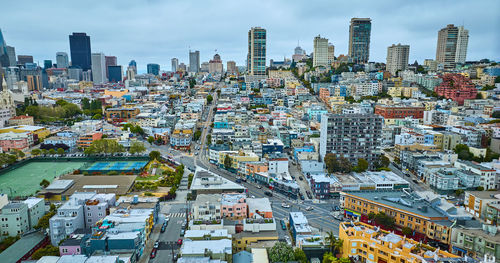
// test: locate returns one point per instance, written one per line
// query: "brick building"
(456, 87)
(399, 112)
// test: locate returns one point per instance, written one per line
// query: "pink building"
(234, 206)
(12, 140)
(70, 246)
(456, 87)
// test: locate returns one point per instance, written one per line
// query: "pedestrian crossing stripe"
(177, 215)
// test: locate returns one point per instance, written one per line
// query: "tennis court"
(25, 180)
(117, 166)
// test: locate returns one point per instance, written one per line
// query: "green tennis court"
(25, 180)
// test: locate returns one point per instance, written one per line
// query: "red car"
(153, 253)
(179, 242)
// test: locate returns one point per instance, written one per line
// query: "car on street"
(283, 224)
(153, 253)
(415, 181)
(259, 187)
(285, 205)
(309, 208)
(253, 196)
(337, 208)
(309, 195)
(179, 242)
(301, 178)
(268, 193)
(163, 228)
(184, 224)
(182, 232)
(157, 244)
(301, 196)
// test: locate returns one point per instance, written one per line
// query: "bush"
(46, 251)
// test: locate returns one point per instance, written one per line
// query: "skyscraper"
(132, 63)
(231, 67)
(115, 73)
(397, 58)
(256, 58)
(110, 61)
(11, 53)
(331, 53)
(4, 57)
(215, 65)
(175, 64)
(47, 64)
(23, 59)
(130, 73)
(194, 61)
(98, 68)
(452, 46)
(320, 55)
(79, 45)
(154, 69)
(359, 39)
(62, 60)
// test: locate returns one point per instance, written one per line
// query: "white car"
(285, 205)
(309, 208)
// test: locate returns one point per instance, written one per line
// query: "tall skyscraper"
(62, 60)
(79, 45)
(34, 82)
(98, 68)
(320, 55)
(132, 63)
(154, 69)
(110, 61)
(194, 61)
(75, 73)
(115, 73)
(23, 59)
(47, 64)
(11, 53)
(4, 56)
(231, 67)
(130, 73)
(359, 39)
(452, 46)
(397, 58)
(352, 136)
(256, 58)
(175, 64)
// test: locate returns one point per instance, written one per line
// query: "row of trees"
(343, 165)
(133, 128)
(36, 152)
(464, 153)
(112, 146)
(60, 111)
(92, 108)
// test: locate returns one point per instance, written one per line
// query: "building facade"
(320, 57)
(256, 59)
(397, 58)
(79, 44)
(452, 46)
(359, 39)
(194, 61)
(98, 68)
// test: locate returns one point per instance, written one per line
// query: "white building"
(98, 68)
(320, 57)
(397, 58)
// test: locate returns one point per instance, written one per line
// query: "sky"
(155, 31)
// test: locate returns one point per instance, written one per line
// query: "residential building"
(476, 241)
(320, 57)
(256, 58)
(488, 175)
(452, 46)
(331, 53)
(359, 39)
(21, 120)
(79, 44)
(399, 112)
(85, 140)
(121, 114)
(36, 210)
(397, 58)
(456, 87)
(234, 206)
(231, 67)
(14, 219)
(215, 65)
(475, 202)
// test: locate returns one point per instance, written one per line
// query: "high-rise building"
(320, 55)
(452, 46)
(62, 60)
(182, 67)
(204, 67)
(34, 82)
(175, 64)
(115, 73)
(397, 58)
(154, 69)
(11, 53)
(132, 63)
(130, 73)
(47, 64)
(23, 59)
(359, 39)
(98, 68)
(331, 53)
(4, 56)
(79, 45)
(215, 65)
(75, 73)
(299, 54)
(231, 67)
(110, 61)
(352, 136)
(256, 58)
(194, 61)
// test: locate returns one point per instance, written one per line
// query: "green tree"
(382, 219)
(104, 146)
(209, 139)
(97, 116)
(85, 104)
(192, 83)
(331, 239)
(228, 162)
(362, 165)
(384, 161)
(137, 147)
(281, 252)
(209, 99)
(43, 222)
(52, 151)
(496, 114)
(154, 155)
(300, 255)
(332, 165)
(197, 135)
(61, 102)
(151, 139)
(60, 151)
(46, 251)
(71, 110)
(479, 188)
(44, 183)
(407, 231)
(36, 152)
(345, 165)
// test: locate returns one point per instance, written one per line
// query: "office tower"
(204, 67)
(115, 73)
(359, 39)
(98, 68)
(397, 58)
(231, 67)
(331, 53)
(23, 59)
(130, 73)
(132, 63)
(299, 54)
(352, 136)
(452, 46)
(215, 65)
(430, 64)
(154, 69)
(34, 82)
(47, 64)
(87, 75)
(256, 58)
(11, 53)
(79, 45)
(299, 51)
(110, 61)
(194, 61)
(4, 56)
(320, 55)
(62, 60)
(75, 73)
(182, 67)
(175, 64)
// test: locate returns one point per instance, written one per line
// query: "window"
(65, 250)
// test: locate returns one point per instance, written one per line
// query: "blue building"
(115, 73)
(272, 146)
(154, 69)
(79, 45)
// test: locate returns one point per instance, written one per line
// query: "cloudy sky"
(154, 31)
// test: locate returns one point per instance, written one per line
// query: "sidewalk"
(155, 234)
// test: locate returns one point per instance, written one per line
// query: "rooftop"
(198, 247)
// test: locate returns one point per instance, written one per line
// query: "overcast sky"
(154, 31)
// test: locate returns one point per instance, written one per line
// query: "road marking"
(176, 214)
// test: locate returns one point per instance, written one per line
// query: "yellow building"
(39, 131)
(237, 158)
(115, 93)
(409, 91)
(369, 244)
(245, 238)
(395, 91)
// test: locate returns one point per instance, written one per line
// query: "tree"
(85, 104)
(330, 258)
(479, 188)
(61, 102)
(384, 220)
(97, 116)
(362, 165)
(60, 151)
(281, 252)
(228, 162)
(384, 161)
(209, 139)
(36, 152)
(496, 114)
(151, 139)
(331, 163)
(407, 231)
(345, 165)
(197, 135)
(192, 82)
(331, 239)
(104, 146)
(52, 151)
(154, 155)
(46, 251)
(300, 255)
(43, 222)
(137, 147)
(44, 183)
(209, 99)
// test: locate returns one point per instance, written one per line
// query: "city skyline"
(130, 30)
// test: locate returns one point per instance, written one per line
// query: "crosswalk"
(177, 215)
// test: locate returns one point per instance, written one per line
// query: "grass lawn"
(153, 177)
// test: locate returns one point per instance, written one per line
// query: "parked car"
(179, 242)
(309, 208)
(268, 193)
(259, 187)
(283, 224)
(183, 232)
(285, 205)
(337, 208)
(309, 195)
(153, 253)
(301, 196)
(163, 227)
(301, 178)
(156, 245)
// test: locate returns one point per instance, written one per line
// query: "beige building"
(397, 58)
(452, 46)
(320, 57)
